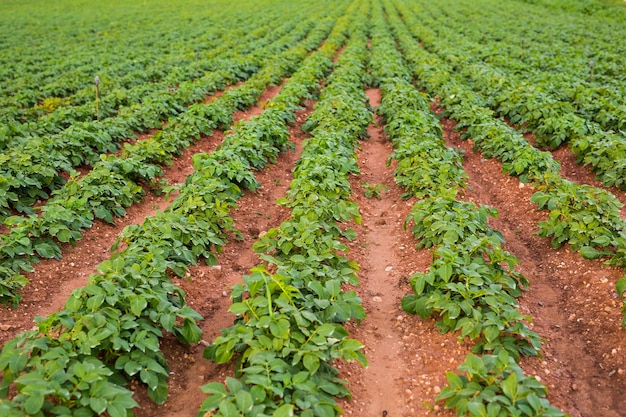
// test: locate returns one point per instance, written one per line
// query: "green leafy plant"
(495, 386)
(288, 328)
(373, 190)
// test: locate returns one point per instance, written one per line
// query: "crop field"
(313, 208)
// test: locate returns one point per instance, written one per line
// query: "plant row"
(290, 308)
(79, 360)
(114, 182)
(56, 71)
(240, 47)
(552, 50)
(534, 104)
(555, 46)
(54, 115)
(471, 285)
(58, 105)
(30, 170)
(585, 217)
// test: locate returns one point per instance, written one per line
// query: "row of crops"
(585, 217)
(73, 95)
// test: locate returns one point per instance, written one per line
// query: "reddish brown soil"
(572, 301)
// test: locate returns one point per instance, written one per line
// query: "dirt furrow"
(407, 356)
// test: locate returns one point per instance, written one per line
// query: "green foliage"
(587, 218)
(116, 321)
(495, 386)
(471, 284)
(288, 328)
(373, 190)
(475, 93)
(113, 183)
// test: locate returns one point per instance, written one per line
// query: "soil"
(572, 301)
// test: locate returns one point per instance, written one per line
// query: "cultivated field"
(286, 207)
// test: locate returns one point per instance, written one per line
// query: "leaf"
(311, 362)
(280, 328)
(477, 408)
(191, 332)
(621, 285)
(491, 333)
(455, 380)
(326, 329)
(602, 240)
(473, 365)
(350, 234)
(214, 388)
(65, 236)
(509, 386)
(323, 409)
(286, 247)
(419, 305)
(46, 250)
(285, 410)
(116, 410)
(588, 252)
(445, 272)
(244, 401)
(137, 304)
(33, 403)
(98, 405)
(159, 393)
(238, 308)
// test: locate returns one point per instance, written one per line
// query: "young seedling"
(373, 190)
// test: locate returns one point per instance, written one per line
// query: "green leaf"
(455, 380)
(46, 250)
(228, 409)
(238, 308)
(473, 365)
(286, 247)
(191, 332)
(285, 410)
(603, 240)
(491, 333)
(280, 328)
(534, 401)
(621, 285)
(445, 272)
(311, 362)
(477, 409)
(159, 393)
(326, 329)
(350, 234)
(244, 401)
(64, 236)
(213, 388)
(98, 405)
(33, 403)
(137, 304)
(588, 252)
(509, 386)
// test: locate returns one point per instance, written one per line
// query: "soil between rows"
(572, 301)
